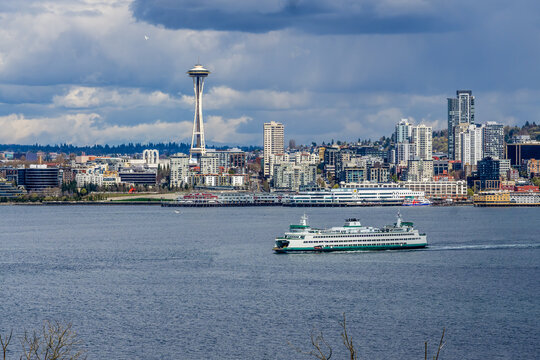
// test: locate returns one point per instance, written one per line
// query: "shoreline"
(169, 204)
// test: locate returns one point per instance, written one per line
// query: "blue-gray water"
(141, 282)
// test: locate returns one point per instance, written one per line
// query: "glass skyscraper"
(460, 111)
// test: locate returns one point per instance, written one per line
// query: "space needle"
(198, 148)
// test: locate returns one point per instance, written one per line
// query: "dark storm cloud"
(310, 17)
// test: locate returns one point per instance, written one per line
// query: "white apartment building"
(273, 143)
(403, 131)
(423, 141)
(179, 170)
(209, 163)
(471, 143)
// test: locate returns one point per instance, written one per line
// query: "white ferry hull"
(422, 243)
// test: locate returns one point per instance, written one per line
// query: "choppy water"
(146, 283)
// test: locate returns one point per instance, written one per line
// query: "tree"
(55, 341)
(322, 350)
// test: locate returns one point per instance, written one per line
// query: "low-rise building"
(456, 190)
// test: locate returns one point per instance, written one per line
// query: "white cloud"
(88, 129)
(223, 97)
(226, 130)
(92, 97)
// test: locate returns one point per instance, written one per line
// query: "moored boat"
(350, 237)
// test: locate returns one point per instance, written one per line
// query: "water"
(142, 282)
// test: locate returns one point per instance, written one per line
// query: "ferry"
(350, 237)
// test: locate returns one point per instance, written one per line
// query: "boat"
(412, 201)
(350, 237)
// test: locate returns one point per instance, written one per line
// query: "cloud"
(89, 129)
(342, 69)
(223, 97)
(226, 130)
(93, 97)
(319, 17)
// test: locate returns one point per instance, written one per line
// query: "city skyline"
(84, 72)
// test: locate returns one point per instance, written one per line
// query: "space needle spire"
(198, 147)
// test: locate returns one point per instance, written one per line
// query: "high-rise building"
(471, 145)
(458, 129)
(493, 140)
(422, 138)
(273, 143)
(198, 147)
(460, 111)
(404, 152)
(403, 131)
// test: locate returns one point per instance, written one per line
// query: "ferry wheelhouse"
(350, 237)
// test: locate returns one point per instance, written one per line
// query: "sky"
(87, 72)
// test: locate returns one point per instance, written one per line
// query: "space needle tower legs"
(198, 148)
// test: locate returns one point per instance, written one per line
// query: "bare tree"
(321, 349)
(347, 340)
(55, 341)
(4, 342)
(439, 348)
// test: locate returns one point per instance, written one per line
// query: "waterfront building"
(460, 111)
(133, 177)
(507, 198)
(456, 190)
(403, 131)
(423, 142)
(198, 147)
(39, 177)
(493, 140)
(273, 143)
(8, 190)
